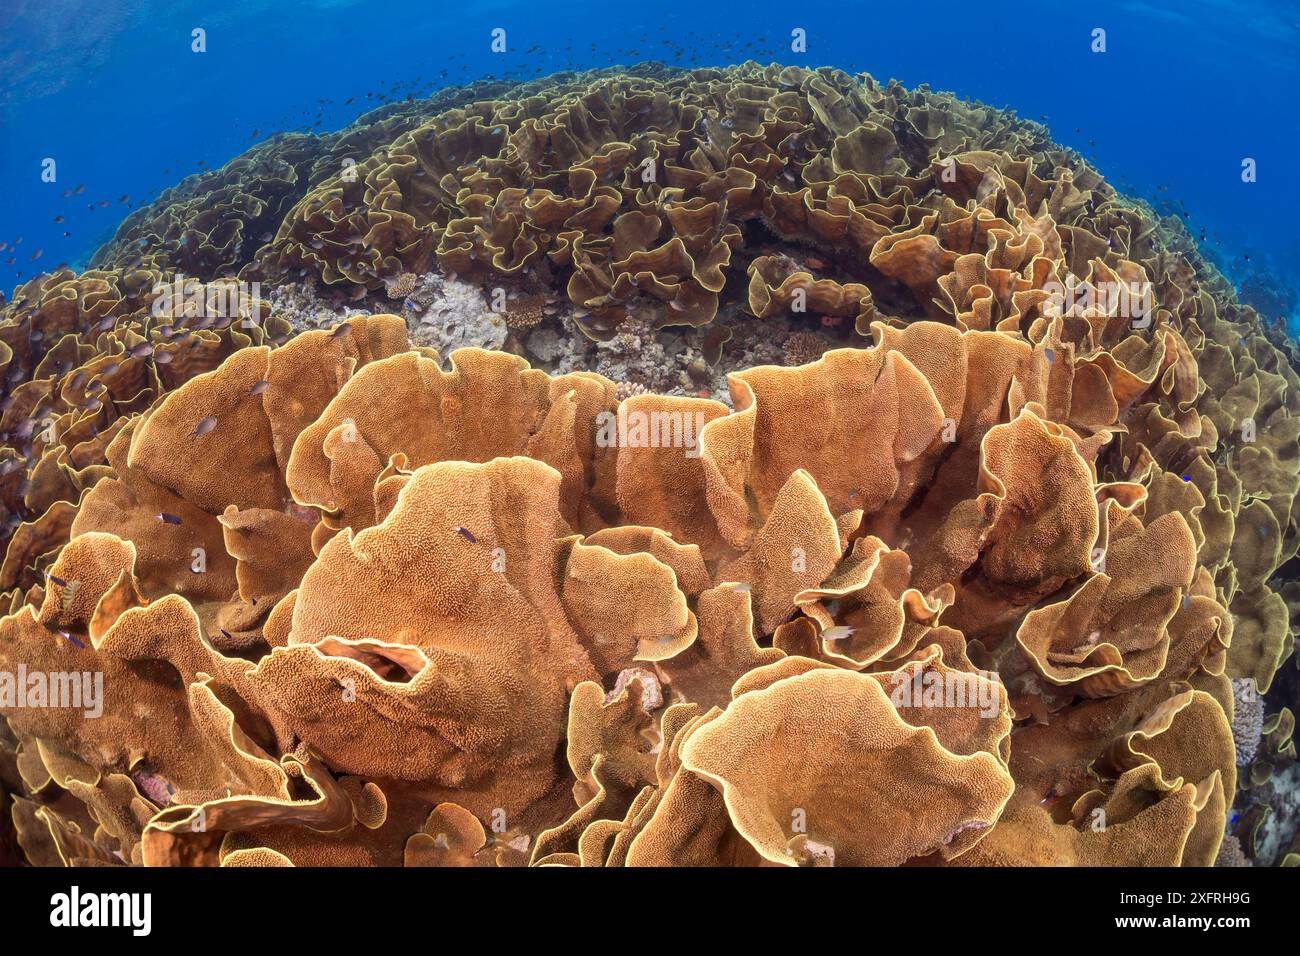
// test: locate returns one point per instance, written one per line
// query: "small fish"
(342, 330)
(167, 518)
(464, 533)
(72, 639)
(58, 219)
(259, 387)
(59, 581)
(742, 587)
(79, 190)
(1050, 354)
(204, 426)
(162, 358)
(837, 633)
(143, 350)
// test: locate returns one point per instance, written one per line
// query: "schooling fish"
(838, 633)
(464, 533)
(259, 387)
(167, 518)
(205, 426)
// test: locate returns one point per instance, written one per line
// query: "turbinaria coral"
(374, 593)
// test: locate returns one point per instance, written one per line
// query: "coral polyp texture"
(993, 572)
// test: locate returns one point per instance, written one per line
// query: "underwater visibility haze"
(508, 434)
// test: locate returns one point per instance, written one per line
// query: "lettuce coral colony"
(995, 580)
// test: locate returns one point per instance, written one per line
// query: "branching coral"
(978, 592)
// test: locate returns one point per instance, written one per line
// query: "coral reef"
(995, 574)
(82, 353)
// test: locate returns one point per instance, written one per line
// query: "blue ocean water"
(111, 90)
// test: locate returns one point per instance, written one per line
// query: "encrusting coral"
(983, 590)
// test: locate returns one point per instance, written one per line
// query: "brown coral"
(402, 285)
(802, 348)
(390, 609)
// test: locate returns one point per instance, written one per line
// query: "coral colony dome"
(676, 464)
